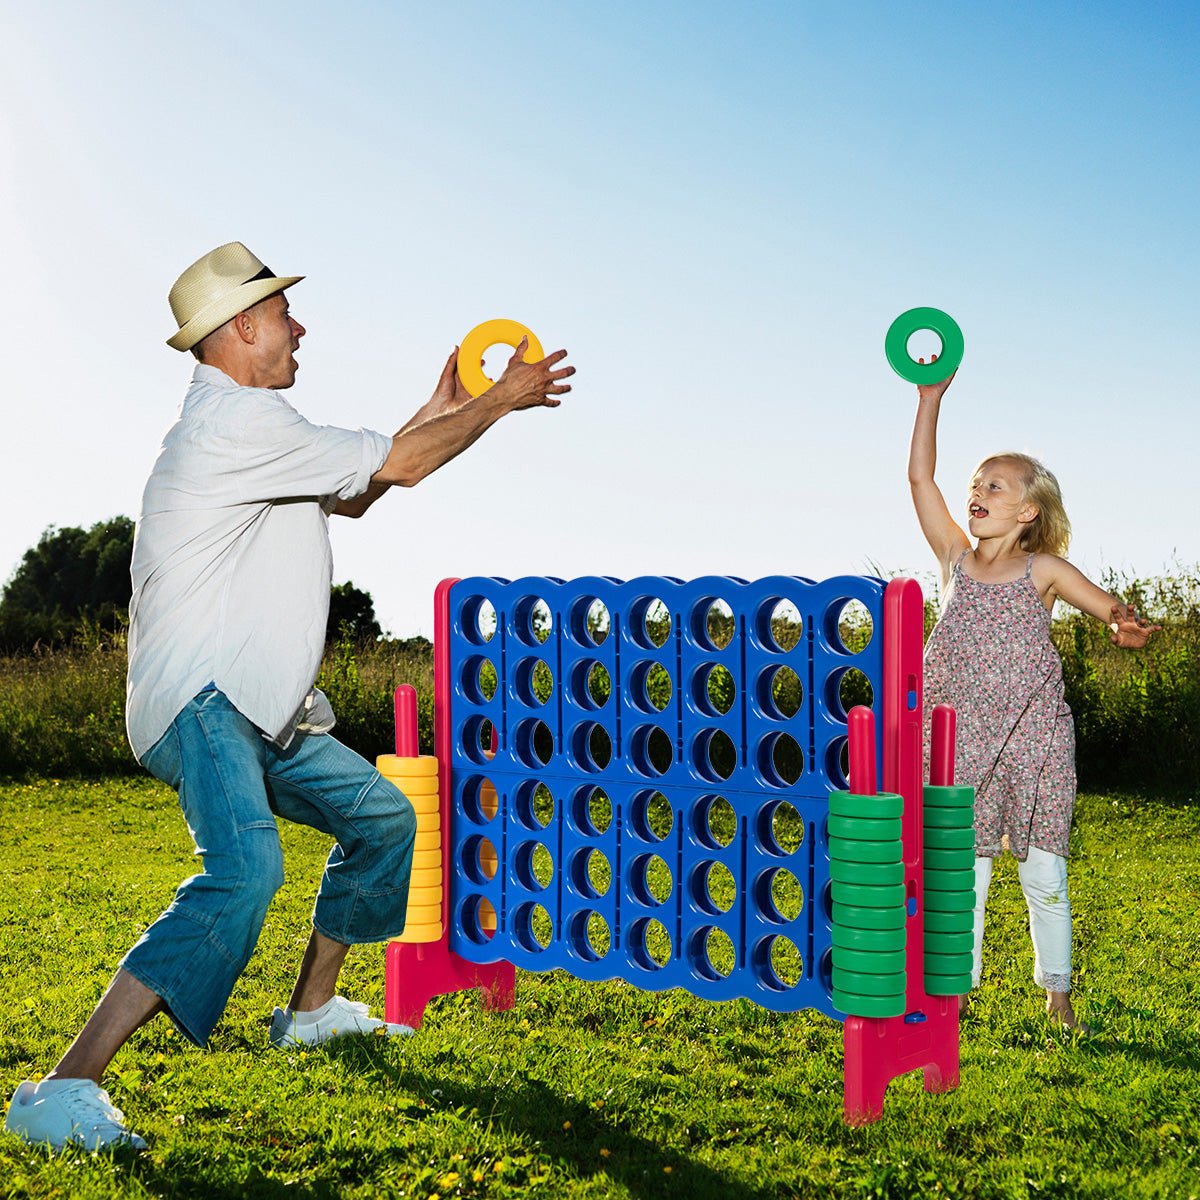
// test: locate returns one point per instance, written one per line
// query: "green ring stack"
(866, 867)
(949, 862)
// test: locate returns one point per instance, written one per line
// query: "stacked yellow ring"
(417, 778)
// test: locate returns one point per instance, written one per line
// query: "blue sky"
(718, 211)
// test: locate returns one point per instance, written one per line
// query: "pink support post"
(416, 972)
(861, 734)
(407, 744)
(879, 1049)
(941, 746)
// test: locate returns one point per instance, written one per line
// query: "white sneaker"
(76, 1112)
(338, 1018)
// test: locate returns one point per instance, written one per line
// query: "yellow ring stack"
(417, 778)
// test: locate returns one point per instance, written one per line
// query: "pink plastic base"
(416, 972)
(880, 1049)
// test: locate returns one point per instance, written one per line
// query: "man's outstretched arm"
(452, 420)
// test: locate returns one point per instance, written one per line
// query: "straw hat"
(214, 289)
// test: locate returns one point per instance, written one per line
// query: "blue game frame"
(527, 803)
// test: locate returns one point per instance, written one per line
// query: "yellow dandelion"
(604, 1151)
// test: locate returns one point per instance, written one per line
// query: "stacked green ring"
(949, 878)
(866, 870)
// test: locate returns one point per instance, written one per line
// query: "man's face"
(278, 339)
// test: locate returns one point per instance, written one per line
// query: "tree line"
(75, 580)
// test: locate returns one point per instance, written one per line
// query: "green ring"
(946, 902)
(945, 985)
(868, 1006)
(948, 860)
(868, 939)
(876, 874)
(960, 942)
(949, 818)
(865, 895)
(949, 881)
(895, 345)
(867, 829)
(948, 964)
(853, 917)
(865, 852)
(869, 983)
(948, 797)
(950, 839)
(881, 962)
(881, 805)
(939, 924)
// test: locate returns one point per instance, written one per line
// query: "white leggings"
(1044, 881)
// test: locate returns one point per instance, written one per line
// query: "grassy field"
(600, 1090)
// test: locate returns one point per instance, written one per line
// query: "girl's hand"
(1128, 629)
(934, 391)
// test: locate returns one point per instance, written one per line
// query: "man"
(231, 574)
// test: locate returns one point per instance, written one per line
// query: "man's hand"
(530, 385)
(449, 393)
(1128, 629)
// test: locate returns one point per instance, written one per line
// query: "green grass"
(601, 1090)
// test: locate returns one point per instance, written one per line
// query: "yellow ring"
(420, 933)
(423, 805)
(396, 767)
(500, 332)
(423, 877)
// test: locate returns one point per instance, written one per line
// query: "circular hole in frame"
(778, 963)
(591, 684)
(780, 759)
(713, 689)
(650, 880)
(779, 895)
(714, 888)
(589, 621)
(478, 736)
(780, 693)
(479, 679)
(533, 926)
(479, 620)
(590, 937)
(650, 687)
(534, 804)
(480, 800)
(533, 682)
(837, 762)
(591, 811)
(534, 743)
(713, 623)
(533, 866)
(713, 953)
(649, 944)
(532, 621)
(591, 746)
(649, 623)
(651, 751)
(652, 816)
(591, 873)
(714, 755)
(779, 625)
(849, 626)
(477, 919)
(714, 822)
(479, 861)
(780, 828)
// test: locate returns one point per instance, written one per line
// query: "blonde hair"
(1050, 531)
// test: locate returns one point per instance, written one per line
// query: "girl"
(991, 658)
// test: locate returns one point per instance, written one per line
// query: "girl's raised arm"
(946, 539)
(1072, 585)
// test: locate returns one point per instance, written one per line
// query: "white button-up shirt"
(231, 558)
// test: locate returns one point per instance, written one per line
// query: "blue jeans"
(232, 784)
